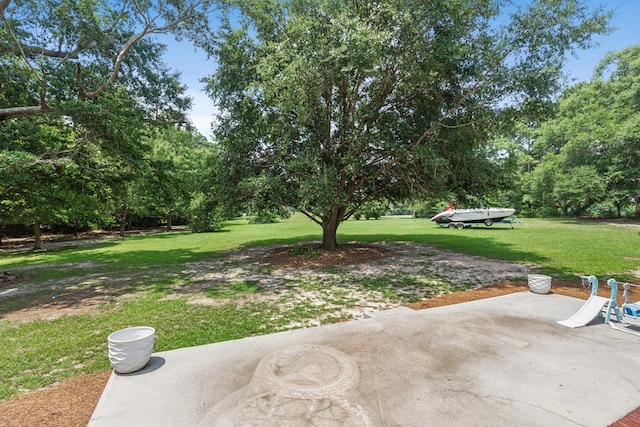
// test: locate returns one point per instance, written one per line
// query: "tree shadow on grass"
(470, 243)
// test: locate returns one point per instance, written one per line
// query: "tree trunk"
(330, 229)
(20, 112)
(123, 221)
(37, 242)
(637, 214)
(169, 221)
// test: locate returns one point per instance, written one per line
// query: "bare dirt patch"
(372, 277)
(71, 402)
(295, 257)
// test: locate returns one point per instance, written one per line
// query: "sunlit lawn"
(560, 247)
(37, 353)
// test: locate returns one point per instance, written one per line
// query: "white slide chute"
(589, 311)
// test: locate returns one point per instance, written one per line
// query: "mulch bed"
(68, 403)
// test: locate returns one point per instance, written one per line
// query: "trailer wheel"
(460, 226)
(488, 222)
(451, 225)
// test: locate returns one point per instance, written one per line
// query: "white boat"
(465, 217)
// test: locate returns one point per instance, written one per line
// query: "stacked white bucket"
(130, 349)
(539, 283)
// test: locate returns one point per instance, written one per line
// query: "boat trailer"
(488, 222)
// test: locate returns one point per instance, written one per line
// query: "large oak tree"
(327, 105)
(52, 51)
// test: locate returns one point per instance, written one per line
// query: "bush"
(263, 218)
(205, 215)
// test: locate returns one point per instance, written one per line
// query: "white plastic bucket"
(539, 283)
(130, 349)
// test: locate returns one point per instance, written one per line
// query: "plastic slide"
(589, 310)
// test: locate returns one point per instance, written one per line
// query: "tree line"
(329, 110)
(585, 159)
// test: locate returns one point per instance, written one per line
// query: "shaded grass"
(395, 286)
(233, 289)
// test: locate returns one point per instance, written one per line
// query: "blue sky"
(194, 65)
(627, 33)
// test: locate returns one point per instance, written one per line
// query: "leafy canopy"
(591, 145)
(52, 51)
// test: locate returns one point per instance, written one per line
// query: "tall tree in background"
(89, 70)
(54, 51)
(175, 165)
(591, 145)
(53, 169)
(37, 193)
(327, 105)
(617, 79)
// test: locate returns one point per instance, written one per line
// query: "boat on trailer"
(461, 218)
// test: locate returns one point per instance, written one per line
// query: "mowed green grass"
(37, 353)
(561, 247)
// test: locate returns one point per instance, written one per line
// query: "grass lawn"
(144, 271)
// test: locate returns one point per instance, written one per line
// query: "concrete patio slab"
(499, 361)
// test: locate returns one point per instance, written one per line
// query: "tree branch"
(149, 28)
(431, 129)
(21, 49)
(311, 216)
(21, 112)
(114, 73)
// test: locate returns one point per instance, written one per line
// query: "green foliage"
(264, 217)
(372, 210)
(102, 164)
(588, 152)
(92, 122)
(579, 189)
(41, 189)
(204, 215)
(56, 52)
(56, 169)
(86, 159)
(171, 175)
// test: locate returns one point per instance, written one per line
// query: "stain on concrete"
(301, 385)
